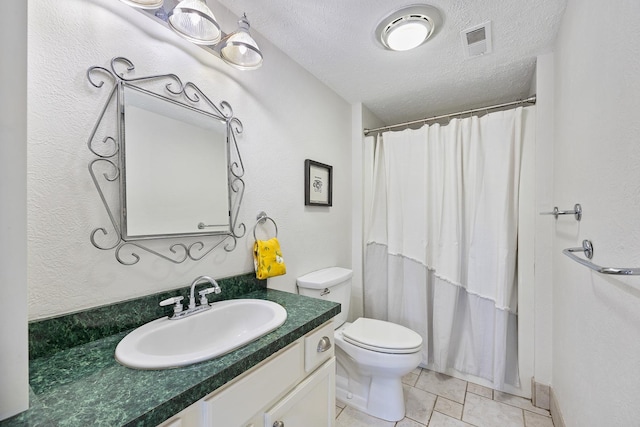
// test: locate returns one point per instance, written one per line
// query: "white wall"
(361, 163)
(544, 225)
(288, 116)
(14, 369)
(596, 318)
(526, 251)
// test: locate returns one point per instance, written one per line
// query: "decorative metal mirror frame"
(108, 155)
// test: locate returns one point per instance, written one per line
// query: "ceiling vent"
(476, 40)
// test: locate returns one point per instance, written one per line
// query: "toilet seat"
(383, 337)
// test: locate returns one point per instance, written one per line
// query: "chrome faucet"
(203, 294)
(178, 310)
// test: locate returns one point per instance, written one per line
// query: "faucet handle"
(203, 294)
(177, 308)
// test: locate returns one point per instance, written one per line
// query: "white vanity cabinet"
(293, 387)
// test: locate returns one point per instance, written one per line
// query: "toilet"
(372, 355)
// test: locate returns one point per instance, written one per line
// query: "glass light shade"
(144, 4)
(407, 35)
(240, 50)
(194, 21)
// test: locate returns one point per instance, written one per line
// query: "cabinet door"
(255, 422)
(189, 417)
(235, 405)
(311, 404)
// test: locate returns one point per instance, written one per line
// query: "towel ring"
(261, 219)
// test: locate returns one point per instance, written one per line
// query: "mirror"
(175, 168)
(168, 167)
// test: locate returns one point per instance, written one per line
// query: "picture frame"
(318, 184)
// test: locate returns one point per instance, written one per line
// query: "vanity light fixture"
(193, 20)
(239, 49)
(408, 28)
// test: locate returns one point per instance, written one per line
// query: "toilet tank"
(332, 284)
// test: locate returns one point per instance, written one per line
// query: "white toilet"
(372, 355)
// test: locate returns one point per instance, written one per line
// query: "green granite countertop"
(85, 386)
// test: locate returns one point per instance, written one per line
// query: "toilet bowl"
(370, 379)
(372, 355)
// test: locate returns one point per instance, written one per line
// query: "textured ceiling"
(334, 40)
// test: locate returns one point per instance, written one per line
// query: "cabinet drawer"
(237, 403)
(318, 346)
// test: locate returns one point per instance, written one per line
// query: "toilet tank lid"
(324, 278)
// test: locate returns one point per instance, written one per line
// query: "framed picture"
(318, 183)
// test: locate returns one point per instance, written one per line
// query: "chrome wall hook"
(576, 212)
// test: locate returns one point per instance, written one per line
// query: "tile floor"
(438, 400)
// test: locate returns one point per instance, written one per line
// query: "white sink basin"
(165, 343)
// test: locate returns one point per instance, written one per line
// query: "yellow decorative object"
(268, 259)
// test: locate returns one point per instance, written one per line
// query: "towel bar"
(260, 219)
(587, 249)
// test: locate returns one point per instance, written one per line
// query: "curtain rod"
(530, 100)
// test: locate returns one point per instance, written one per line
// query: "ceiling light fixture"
(239, 49)
(408, 28)
(194, 21)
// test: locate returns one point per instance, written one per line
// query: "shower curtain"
(441, 249)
